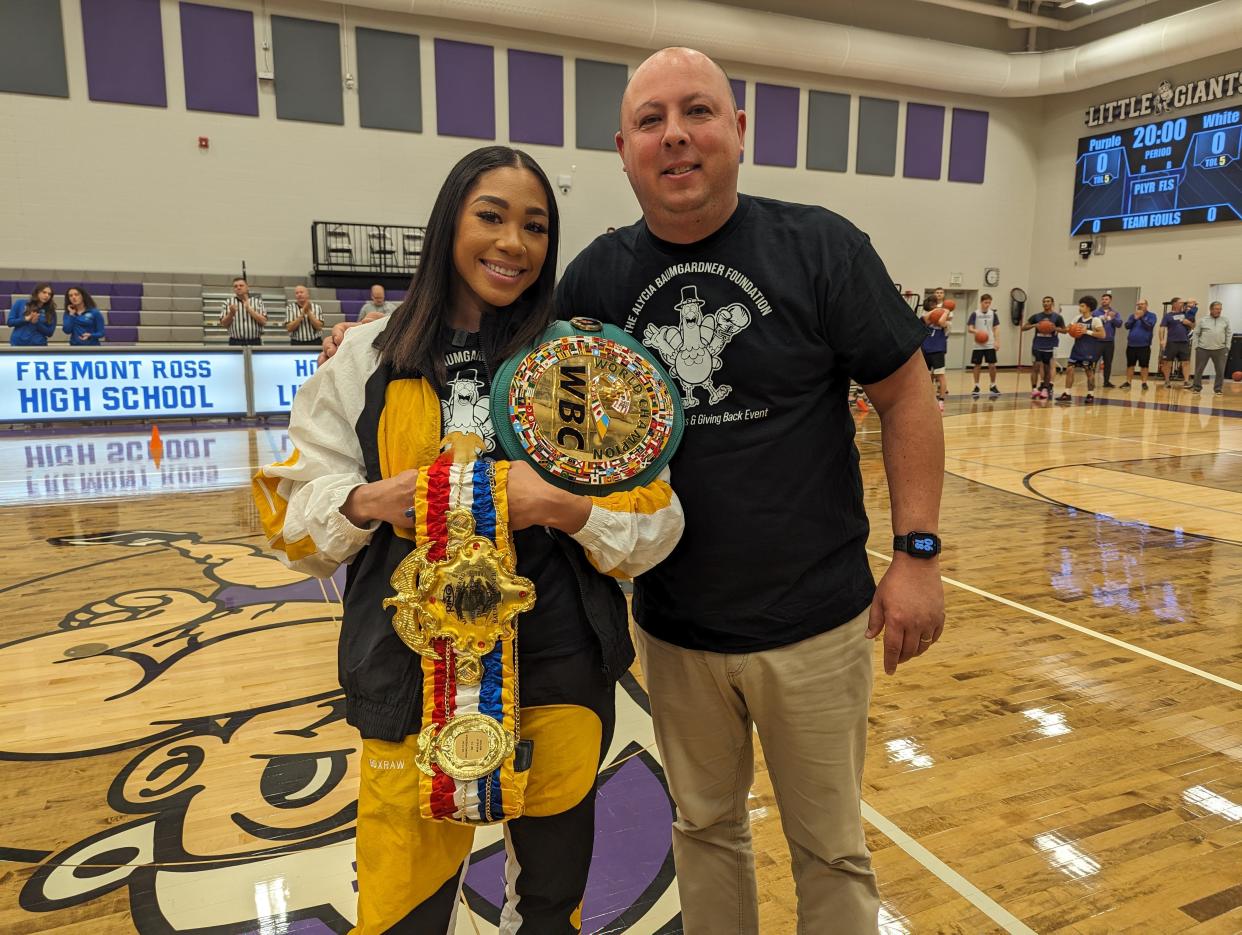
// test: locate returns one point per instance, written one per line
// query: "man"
(1174, 337)
(1141, 326)
(1112, 321)
(984, 321)
(762, 311)
(1212, 336)
(303, 319)
(378, 307)
(1043, 346)
(1086, 350)
(243, 316)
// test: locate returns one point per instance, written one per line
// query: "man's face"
(1106, 302)
(1215, 311)
(377, 295)
(680, 138)
(1177, 305)
(1141, 308)
(938, 294)
(985, 304)
(239, 288)
(1047, 304)
(301, 295)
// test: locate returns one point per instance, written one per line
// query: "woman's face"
(74, 298)
(45, 295)
(501, 239)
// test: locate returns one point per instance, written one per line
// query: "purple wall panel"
(739, 94)
(126, 303)
(924, 141)
(121, 334)
(465, 89)
(776, 125)
(123, 319)
(968, 145)
(217, 51)
(124, 51)
(536, 98)
(127, 288)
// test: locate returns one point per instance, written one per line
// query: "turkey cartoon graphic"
(691, 349)
(467, 412)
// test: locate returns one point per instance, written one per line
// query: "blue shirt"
(1087, 347)
(1112, 321)
(26, 334)
(1045, 342)
(937, 340)
(1141, 329)
(1179, 325)
(85, 328)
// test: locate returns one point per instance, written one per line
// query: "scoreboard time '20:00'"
(1185, 170)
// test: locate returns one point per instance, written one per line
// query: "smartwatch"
(918, 544)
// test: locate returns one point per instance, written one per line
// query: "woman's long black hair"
(87, 301)
(417, 334)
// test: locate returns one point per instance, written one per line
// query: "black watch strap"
(918, 544)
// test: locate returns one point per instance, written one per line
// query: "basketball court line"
(1120, 438)
(1085, 631)
(946, 874)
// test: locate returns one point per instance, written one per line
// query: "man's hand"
(908, 609)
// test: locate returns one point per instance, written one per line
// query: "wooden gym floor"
(1068, 759)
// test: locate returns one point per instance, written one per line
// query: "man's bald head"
(677, 57)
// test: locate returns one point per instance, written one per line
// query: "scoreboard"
(1185, 170)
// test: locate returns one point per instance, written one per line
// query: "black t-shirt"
(761, 325)
(557, 624)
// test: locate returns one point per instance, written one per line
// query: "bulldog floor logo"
(180, 756)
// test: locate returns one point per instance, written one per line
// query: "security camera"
(1084, 248)
(564, 183)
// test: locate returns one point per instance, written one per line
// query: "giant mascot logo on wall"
(188, 748)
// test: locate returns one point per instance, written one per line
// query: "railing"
(346, 247)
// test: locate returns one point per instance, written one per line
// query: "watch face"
(923, 545)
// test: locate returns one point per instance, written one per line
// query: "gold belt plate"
(471, 597)
(469, 746)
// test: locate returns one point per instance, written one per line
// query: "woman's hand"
(535, 502)
(385, 500)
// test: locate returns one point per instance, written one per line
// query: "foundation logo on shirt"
(691, 349)
(466, 412)
(177, 758)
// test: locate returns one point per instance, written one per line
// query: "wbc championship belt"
(589, 407)
(457, 601)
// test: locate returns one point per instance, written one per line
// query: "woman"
(33, 320)
(84, 323)
(367, 428)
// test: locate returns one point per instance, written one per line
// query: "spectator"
(1142, 325)
(1108, 347)
(243, 316)
(304, 319)
(1212, 336)
(33, 320)
(1174, 337)
(377, 307)
(84, 322)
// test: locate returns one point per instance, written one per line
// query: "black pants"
(245, 342)
(1110, 348)
(309, 342)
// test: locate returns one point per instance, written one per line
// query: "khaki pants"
(809, 703)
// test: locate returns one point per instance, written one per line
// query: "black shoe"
(995, 390)
(975, 391)
(1109, 386)
(1065, 398)
(1124, 386)
(1088, 398)
(1144, 386)
(1195, 389)
(1218, 393)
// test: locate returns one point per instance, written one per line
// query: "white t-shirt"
(984, 321)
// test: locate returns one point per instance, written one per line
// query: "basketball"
(981, 337)
(935, 316)
(1077, 329)
(1237, 376)
(950, 304)
(1046, 326)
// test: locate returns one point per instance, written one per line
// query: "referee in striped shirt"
(243, 316)
(304, 319)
